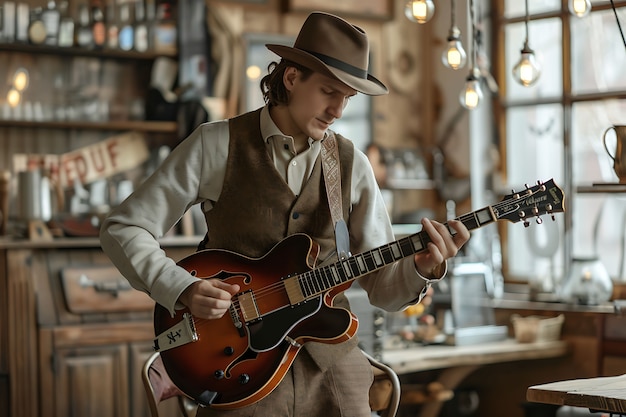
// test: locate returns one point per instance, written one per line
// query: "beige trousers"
(306, 391)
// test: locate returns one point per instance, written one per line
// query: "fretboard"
(319, 280)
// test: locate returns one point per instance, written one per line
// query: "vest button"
(295, 215)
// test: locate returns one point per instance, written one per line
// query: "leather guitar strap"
(332, 179)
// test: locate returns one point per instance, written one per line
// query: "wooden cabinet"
(58, 357)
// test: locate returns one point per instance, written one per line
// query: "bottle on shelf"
(36, 29)
(98, 27)
(51, 17)
(22, 22)
(112, 26)
(165, 32)
(141, 27)
(126, 37)
(66, 26)
(150, 21)
(84, 34)
(7, 21)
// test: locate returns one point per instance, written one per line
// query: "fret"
(386, 253)
(353, 267)
(342, 273)
(361, 264)
(405, 247)
(471, 223)
(346, 269)
(377, 257)
(395, 251)
(485, 216)
(316, 283)
(319, 277)
(418, 245)
(309, 283)
(328, 277)
(328, 273)
(369, 261)
(335, 273)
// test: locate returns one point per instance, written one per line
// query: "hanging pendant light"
(420, 11)
(527, 70)
(579, 8)
(471, 95)
(454, 55)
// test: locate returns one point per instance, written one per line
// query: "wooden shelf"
(602, 188)
(141, 126)
(96, 53)
(7, 242)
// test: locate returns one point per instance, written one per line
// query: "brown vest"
(257, 209)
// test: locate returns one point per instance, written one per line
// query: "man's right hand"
(208, 298)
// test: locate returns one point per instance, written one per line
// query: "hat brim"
(370, 86)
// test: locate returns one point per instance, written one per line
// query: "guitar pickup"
(248, 306)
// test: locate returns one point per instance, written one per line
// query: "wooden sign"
(93, 162)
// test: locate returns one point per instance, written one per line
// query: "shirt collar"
(269, 128)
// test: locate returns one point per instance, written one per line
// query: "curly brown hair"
(272, 86)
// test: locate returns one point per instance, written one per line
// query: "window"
(554, 129)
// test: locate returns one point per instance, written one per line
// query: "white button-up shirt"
(194, 173)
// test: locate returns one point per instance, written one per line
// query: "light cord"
(618, 23)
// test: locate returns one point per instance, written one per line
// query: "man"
(260, 178)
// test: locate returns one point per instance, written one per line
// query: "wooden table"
(599, 394)
(423, 358)
(457, 362)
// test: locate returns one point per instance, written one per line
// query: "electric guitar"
(285, 301)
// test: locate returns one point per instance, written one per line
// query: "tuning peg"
(526, 223)
(539, 220)
(552, 217)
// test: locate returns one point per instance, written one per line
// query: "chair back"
(159, 387)
(384, 392)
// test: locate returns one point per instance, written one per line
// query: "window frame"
(567, 100)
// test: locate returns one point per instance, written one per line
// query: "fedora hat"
(329, 45)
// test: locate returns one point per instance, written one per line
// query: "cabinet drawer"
(101, 289)
(615, 327)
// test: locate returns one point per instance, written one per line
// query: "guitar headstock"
(543, 198)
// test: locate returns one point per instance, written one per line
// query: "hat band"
(345, 67)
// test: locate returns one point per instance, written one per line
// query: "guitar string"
(278, 287)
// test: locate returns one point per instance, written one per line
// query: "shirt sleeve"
(192, 173)
(397, 285)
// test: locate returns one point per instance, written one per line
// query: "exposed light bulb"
(579, 8)
(454, 55)
(420, 11)
(471, 95)
(20, 79)
(527, 70)
(14, 97)
(253, 72)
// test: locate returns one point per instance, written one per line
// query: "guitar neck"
(319, 280)
(545, 197)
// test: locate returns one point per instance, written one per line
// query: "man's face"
(315, 103)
